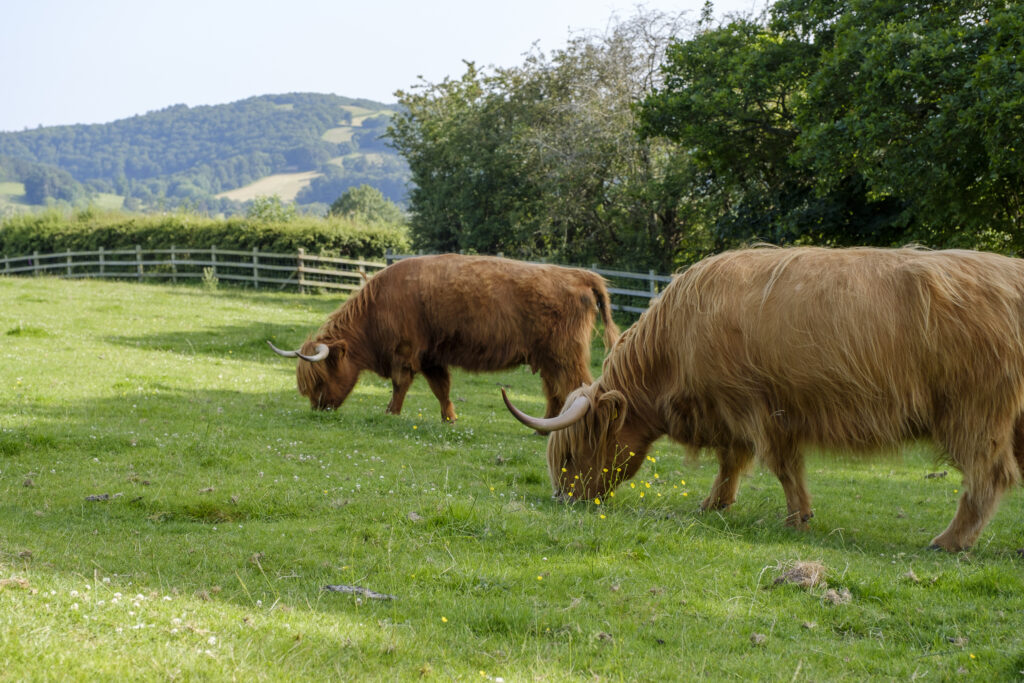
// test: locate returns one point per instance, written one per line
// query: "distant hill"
(305, 147)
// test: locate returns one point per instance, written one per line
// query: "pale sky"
(69, 61)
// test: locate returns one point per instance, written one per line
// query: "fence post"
(174, 268)
(103, 268)
(138, 261)
(67, 260)
(35, 262)
(255, 268)
(387, 256)
(654, 285)
(213, 259)
(300, 270)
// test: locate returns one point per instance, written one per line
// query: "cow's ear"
(613, 407)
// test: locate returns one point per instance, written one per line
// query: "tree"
(853, 122)
(43, 183)
(731, 96)
(368, 204)
(541, 160)
(924, 100)
(270, 210)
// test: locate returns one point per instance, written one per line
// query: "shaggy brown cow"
(479, 313)
(760, 352)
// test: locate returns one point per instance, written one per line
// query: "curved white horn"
(286, 354)
(321, 352)
(570, 416)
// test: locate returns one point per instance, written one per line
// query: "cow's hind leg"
(440, 381)
(786, 461)
(988, 471)
(732, 462)
(559, 379)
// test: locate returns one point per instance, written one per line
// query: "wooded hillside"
(186, 156)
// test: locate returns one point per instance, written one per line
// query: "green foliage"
(54, 231)
(924, 101)
(181, 156)
(847, 123)
(388, 173)
(229, 505)
(366, 203)
(271, 210)
(43, 184)
(542, 160)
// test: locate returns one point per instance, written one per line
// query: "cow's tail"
(604, 303)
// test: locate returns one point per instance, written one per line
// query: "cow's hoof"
(937, 547)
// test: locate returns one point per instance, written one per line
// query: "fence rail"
(630, 292)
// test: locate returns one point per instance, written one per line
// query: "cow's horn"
(570, 416)
(321, 352)
(286, 354)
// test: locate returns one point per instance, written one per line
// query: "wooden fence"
(630, 292)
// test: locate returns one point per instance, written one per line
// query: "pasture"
(170, 508)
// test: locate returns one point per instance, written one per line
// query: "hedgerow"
(88, 230)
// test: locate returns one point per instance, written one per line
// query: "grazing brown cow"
(479, 313)
(760, 352)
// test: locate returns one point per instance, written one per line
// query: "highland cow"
(760, 352)
(479, 313)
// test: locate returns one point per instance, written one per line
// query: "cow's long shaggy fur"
(479, 313)
(760, 352)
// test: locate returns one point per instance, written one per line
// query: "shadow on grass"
(250, 340)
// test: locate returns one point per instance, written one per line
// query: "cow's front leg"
(400, 381)
(440, 381)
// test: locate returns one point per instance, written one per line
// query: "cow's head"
(585, 456)
(324, 373)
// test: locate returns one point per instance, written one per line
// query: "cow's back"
(850, 346)
(484, 313)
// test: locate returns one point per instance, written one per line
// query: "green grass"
(12, 198)
(108, 202)
(231, 505)
(11, 189)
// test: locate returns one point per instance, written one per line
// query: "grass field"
(170, 508)
(12, 197)
(284, 185)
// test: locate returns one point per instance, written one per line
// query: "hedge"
(88, 230)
